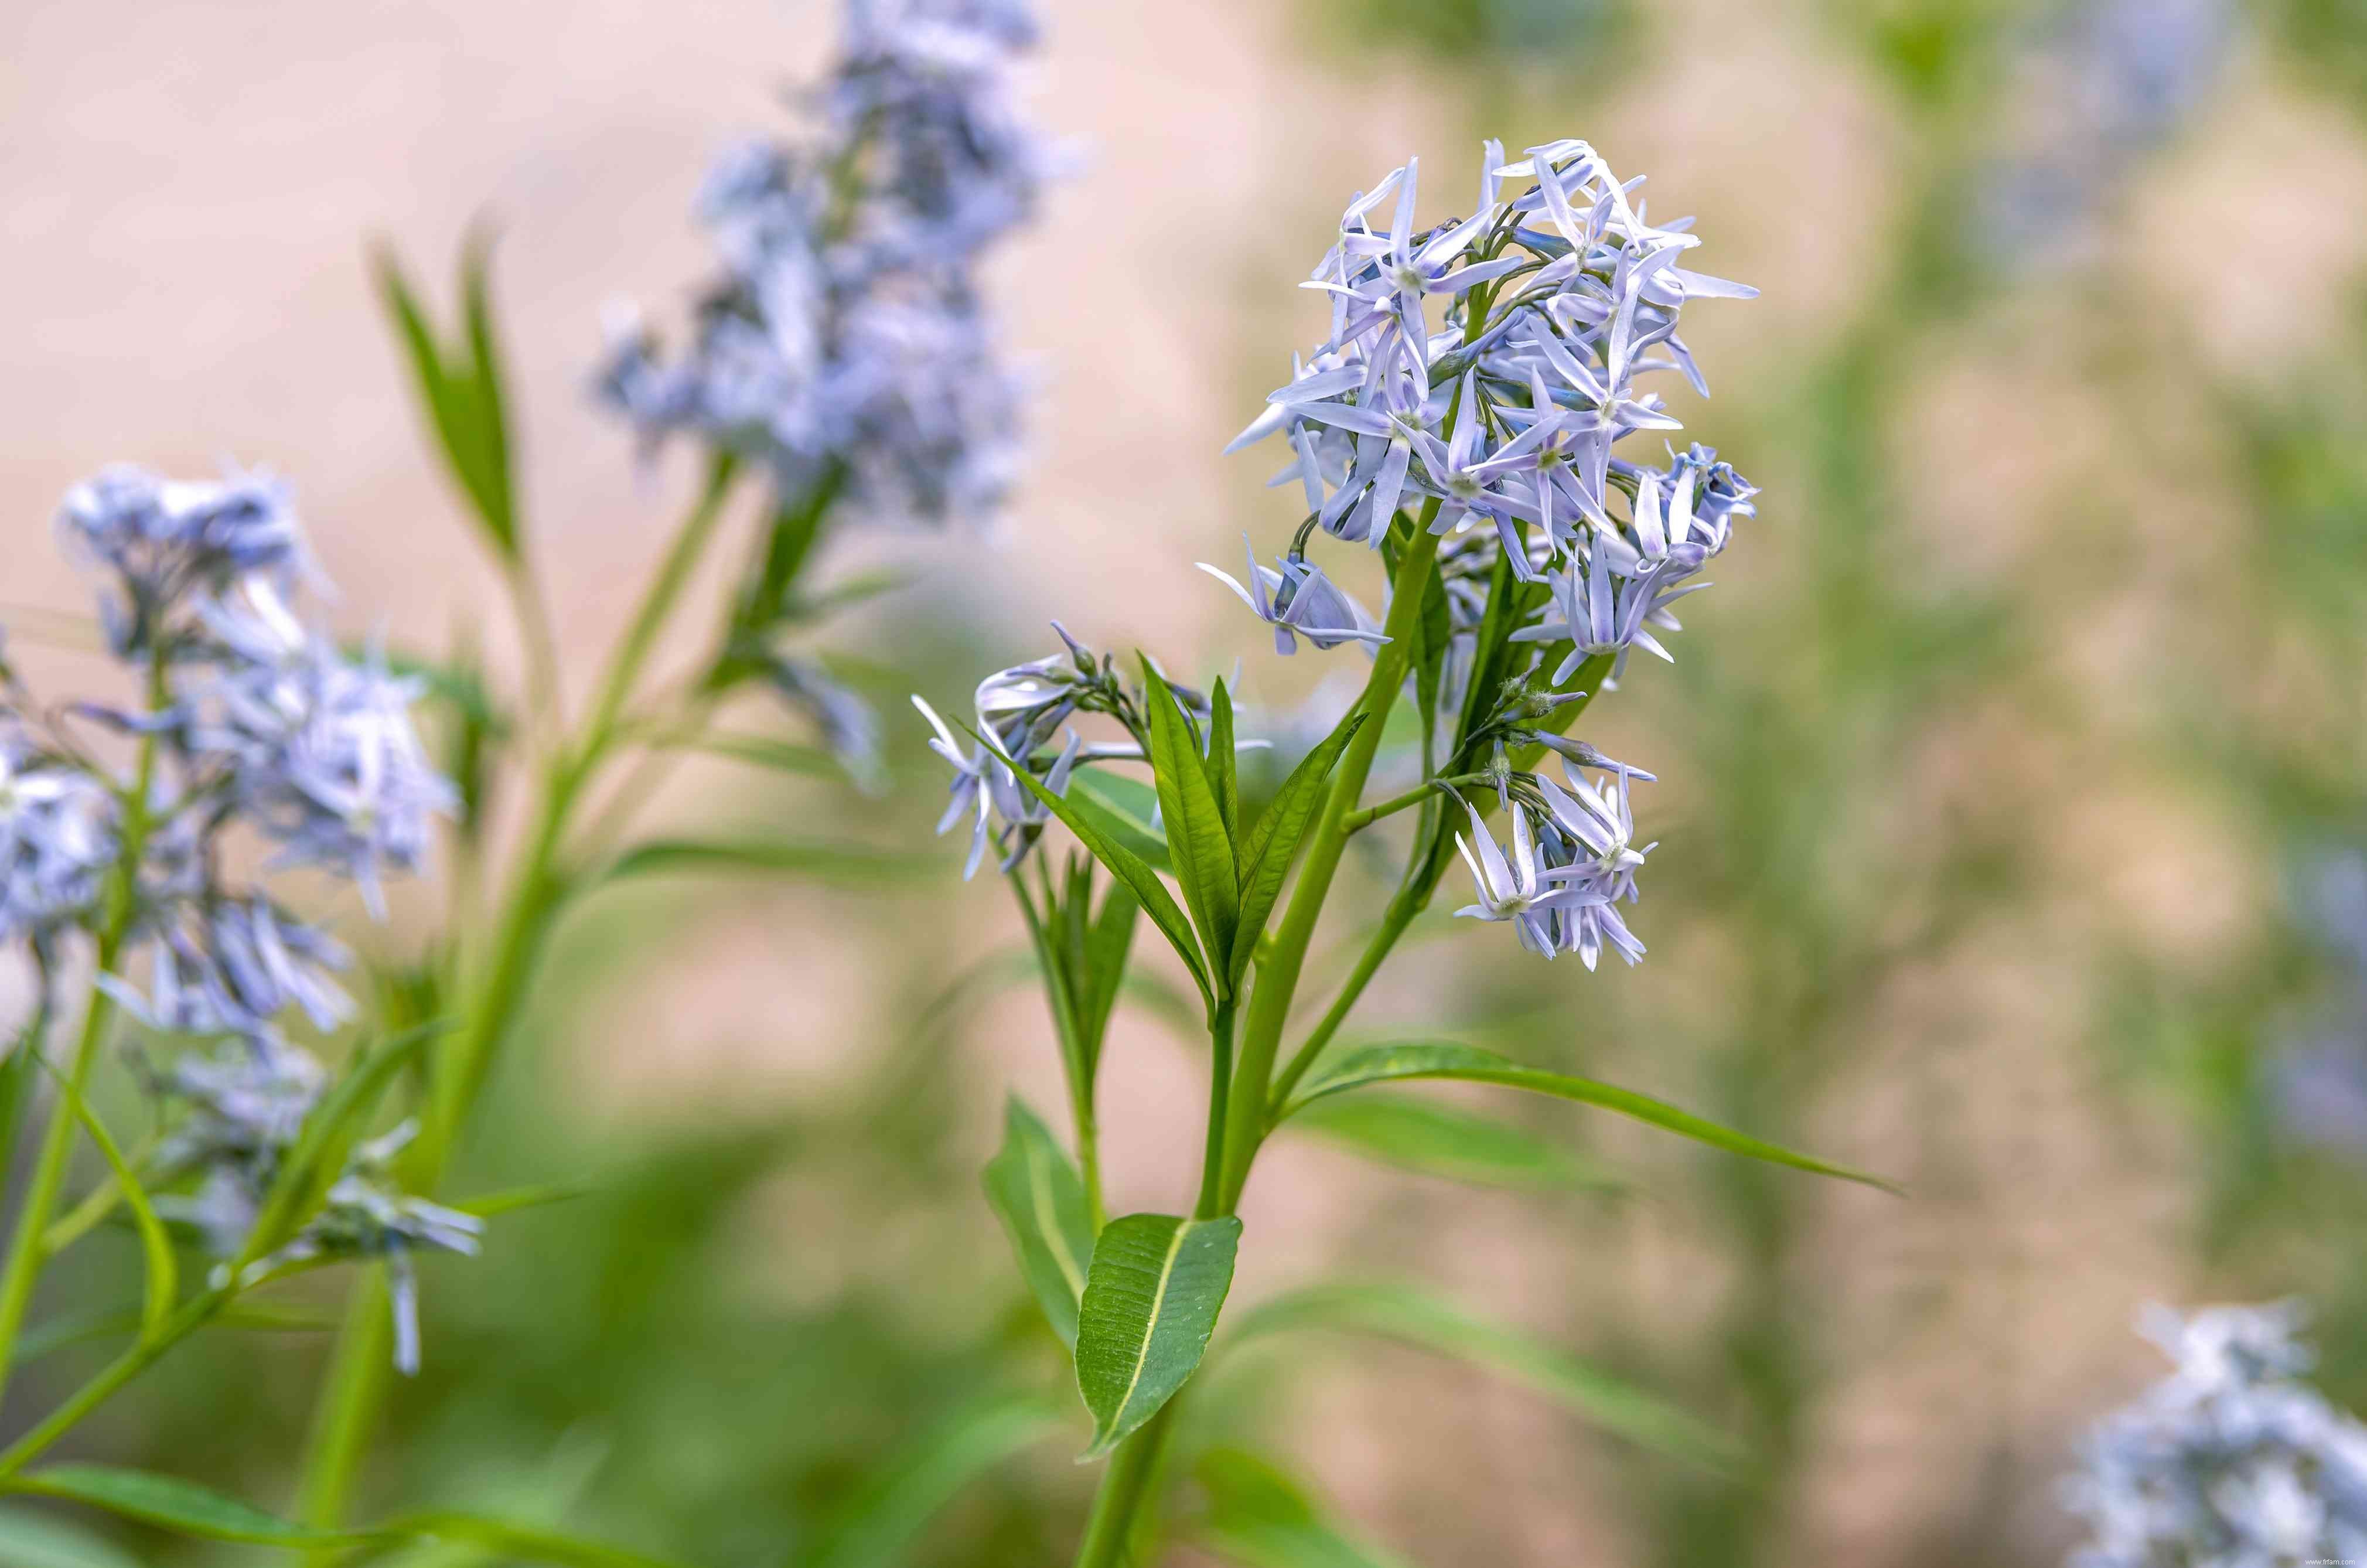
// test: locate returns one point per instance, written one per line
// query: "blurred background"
(2013, 798)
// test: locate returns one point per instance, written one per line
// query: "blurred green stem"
(25, 1248)
(1128, 1487)
(350, 1401)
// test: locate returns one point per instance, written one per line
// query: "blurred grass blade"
(499, 500)
(462, 396)
(57, 1333)
(763, 751)
(169, 1502)
(510, 1200)
(1129, 868)
(1260, 1517)
(880, 1523)
(1394, 1063)
(1430, 1139)
(162, 1279)
(1041, 1199)
(1414, 1318)
(1125, 810)
(1198, 840)
(1271, 843)
(837, 863)
(531, 1543)
(29, 1539)
(1151, 1303)
(313, 1166)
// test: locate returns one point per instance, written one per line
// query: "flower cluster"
(1480, 377)
(1019, 711)
(2227, 1462)
(844, 343)
(249, 722)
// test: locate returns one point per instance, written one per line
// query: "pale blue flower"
(1298, 600)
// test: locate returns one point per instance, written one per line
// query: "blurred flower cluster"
(844, 343)
(2317, 1084)
(249, 722)
(2229, 1462)
(1502, 420)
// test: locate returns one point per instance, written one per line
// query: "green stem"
(1356, 822)
(192, 1316)
(356, 1385)
(26, 1249)
(1127, 1487)
(1402, 909)
(1269, 1008)
(351, 1401)
(1220, 1084)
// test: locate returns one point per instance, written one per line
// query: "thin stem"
(1277, 976)
(192, 1316)
(341, 1423)
(1401, 911)
(545, 694)
(26, 1251)
(1356, 822)
(1221, 1084)
(1127, 1487)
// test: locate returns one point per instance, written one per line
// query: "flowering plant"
(1465, 419)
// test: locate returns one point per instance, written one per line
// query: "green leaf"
(1219, 762)
(510, 1200)
(1414, 1318)
(1422, 1135)
(1390, 1064)
(845, 864)
(1129, 868)
(1151, 1303)
(29, 1539)
(1125, 810)
(1041, 1198)
(1272, 842)
(1197, 839)
(465, 422)
(1261, 1517)
(319, 1156)
(1106, 946)
(532, 1542)
(763, 751)
(161, 1282)
(169, 1501)
(498, 502)
(880, 1522)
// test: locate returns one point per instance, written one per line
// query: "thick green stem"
(27, 1251)
(1127, 1486)
(1277, 977)
(1220, 1093)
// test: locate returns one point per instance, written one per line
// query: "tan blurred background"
(190, 191)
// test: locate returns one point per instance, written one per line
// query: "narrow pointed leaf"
(1414, 1318)
(530, 1543)
(510, 1200)
(1260, 1517)
(1151, 1303)
(29, 1540)
(1196, 838)
(454, 402)
(170, 1502)
(1392, 1063)
(1219, 764)
(498, 498)
(1106, 946)
(1124, 808)
(842, 864)
(161, 1283)
(1041, 1199)
(878, 1527)
(1129, 868)
(1422, 1135)
(1272, 842)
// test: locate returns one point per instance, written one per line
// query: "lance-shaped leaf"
(461, 389)
(30, 1539)
(1124, 808)
(1198, 840)
(1273, 841)
(1151, 1303)
(878, 1523)
(162, 1281)
(171, 1503)
(1392, 1063)
(1129, 868)
(1224, 781)
(1414, 1318)
(1422, 1135)
(1107, 942)
(1041, 1198)
(1261, 1517)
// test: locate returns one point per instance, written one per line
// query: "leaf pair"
(461, 382)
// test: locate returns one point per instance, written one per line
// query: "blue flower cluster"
(253, 723)
(844, 343)
(1483, 373)
(2229, 1462)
